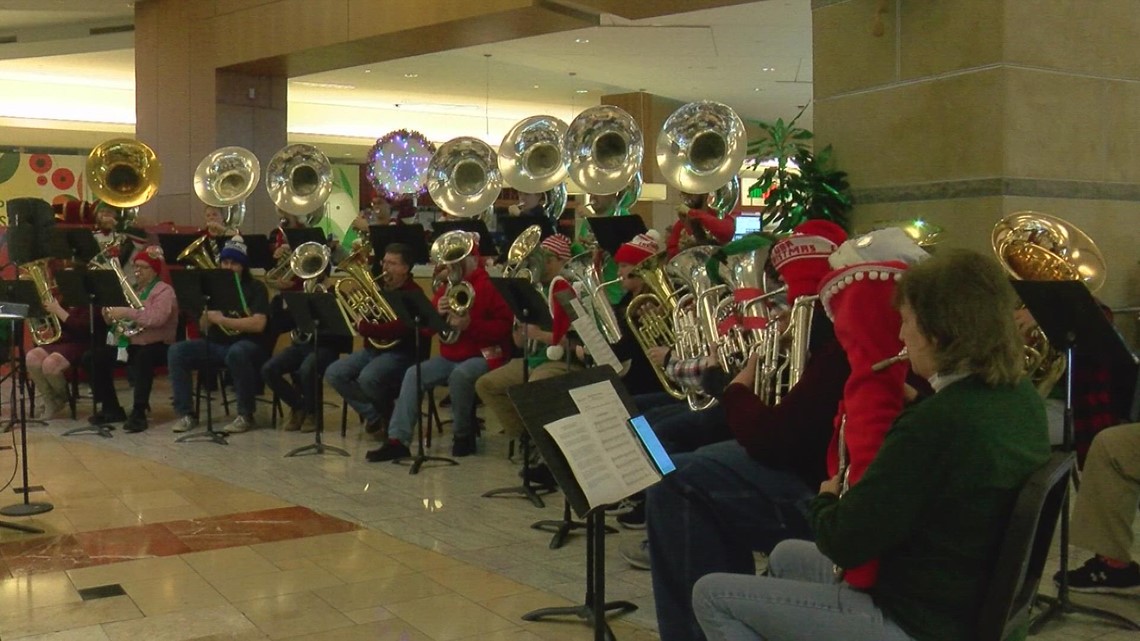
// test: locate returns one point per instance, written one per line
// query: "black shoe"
(106, 416)
(540, 476)
(1096, 576)
(136, 422)
(375, 425)
(635, 518)
(463, 446)
(390, 451)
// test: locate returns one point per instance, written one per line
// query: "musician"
(483, 343)
(46, 364)
(528, 205)
(289, 373)
(215, 223)
(542, 364)
(279, 244)
(640, 377)
(369, 378)
(241, 353)
(698, 224)
(123, 240)
(158, 319)
(933, 505)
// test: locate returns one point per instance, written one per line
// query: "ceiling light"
(321, 85)
(582, 91)
(367, 71)
(411, 75)
(767, 68)
(582, 41)
(758, 89)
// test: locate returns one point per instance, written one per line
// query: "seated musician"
(46, 364)
(698, 224)
(290, 373)
(241, 350)
(369, 378)
(933, 503)
(640, 377)
(146, 350)
(542, 363)
(215, 222)
(115, 235)
(483, 342)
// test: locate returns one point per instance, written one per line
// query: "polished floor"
(152, 539)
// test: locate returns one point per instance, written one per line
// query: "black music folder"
(525, 302)
(512, 226)
(581, 424)
(612, 231)
(411, 234)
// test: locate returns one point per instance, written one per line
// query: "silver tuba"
(584, 274)
(463, 177)
(452, 249)
(299, 181)
(603, 149)
(522, 259)
(694, 317)
(225, 179)
(701, 147)
(309, 261)
(530, 156)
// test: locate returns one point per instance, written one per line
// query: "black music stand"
(412, 235)
(256, 248)
(1072, 321)
(612, 231)
(174, 244)
(21, 301)
(198, 290)
(512, 226)
(316, 314)
(487, 247)
(540, 403)
(417, 312)
(301, 235)
(94, 288)
(530, 309)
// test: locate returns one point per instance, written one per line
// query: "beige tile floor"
(434, 560)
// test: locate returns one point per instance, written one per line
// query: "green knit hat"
(749, 243)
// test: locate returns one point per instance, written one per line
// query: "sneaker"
(108, 415)
(635, 553)
(239, 424)
(463, 446)
(136, 422)
(389, 451)
(185, 424)
(296, 419)
(621, 507)
(1098, 577)
(633, 519)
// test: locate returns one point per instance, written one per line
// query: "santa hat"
(644, 245)
(152, 256)
(560, 320)
(558, 245)
(235, 251)
(880, 245)
(801, 258)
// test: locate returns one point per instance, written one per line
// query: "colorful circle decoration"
(398, 163)
(63, 179)
(40, 163)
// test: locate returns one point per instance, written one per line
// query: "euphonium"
(1035, 246)
(126, 328)
(200, 253)
(522, 259)
(694, 322)
(359, 297)
(46, 329)
(650, 316)
(583, 273)
(452, 249)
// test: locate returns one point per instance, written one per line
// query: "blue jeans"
(299, 363)
(800, 601)
(709, 516)
(680, 429)
(368, 380)
(242, 359)
(460, 380)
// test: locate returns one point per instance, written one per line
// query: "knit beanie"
(152, 256)
(801, 258)
(235, 251)
(558, 245)
(643, 245)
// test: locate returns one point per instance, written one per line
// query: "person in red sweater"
(483, 343)
(698, 224)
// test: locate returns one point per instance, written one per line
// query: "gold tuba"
(463, 177)
(226, 178)
(47, 329)
(452, 249)
(1035, 246)
(603, 149)
(650, 316)
(123, 173)
(359, 297)
(200, 253)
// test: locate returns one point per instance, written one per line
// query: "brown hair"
(963, 302)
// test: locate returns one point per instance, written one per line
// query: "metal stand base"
(526, 490)
(21, 528)
(418, 461)
(316, 448)
(101, 430)
(208, 435)
(1056, 608)
(26, 509)
(564, 527)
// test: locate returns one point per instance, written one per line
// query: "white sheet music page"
(592, 338)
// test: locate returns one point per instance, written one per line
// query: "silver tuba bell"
(451, 250)
(701, 147)
(603, 149)
(299, 181)
(463, 177)
(530, 156)
(225, 179)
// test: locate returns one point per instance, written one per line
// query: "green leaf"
(9, 163)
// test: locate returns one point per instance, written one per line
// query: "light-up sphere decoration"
(398, 163)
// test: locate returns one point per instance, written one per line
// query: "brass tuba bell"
(299, 181)
(123, 173)
(463, 177)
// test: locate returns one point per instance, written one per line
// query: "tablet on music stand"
(411, 235)
(486, 243)
(612, 231)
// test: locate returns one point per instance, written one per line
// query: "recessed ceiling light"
(536, 86)
(367, 71)
(582, 41)
(767, 68)
(758, 89)
(582, 91)
(411, 75)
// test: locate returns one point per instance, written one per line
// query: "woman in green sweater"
(933, 504)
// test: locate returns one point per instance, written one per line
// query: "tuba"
(359, 297)
(200, 253)
(701, 148)
(694, 322)
(650, 316)
(583, 272)
(451, 249)
(1035, 246)
(225, 179)
(299, 181)
(463, 177)
(47, 329)
(126, 328)
(530, 156)
(308, 262)
(603, 149)
(123, 173)
(522, 259)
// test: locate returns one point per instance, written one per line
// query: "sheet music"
(601, 448)
(595, 343)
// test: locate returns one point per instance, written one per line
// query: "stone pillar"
(963, 111)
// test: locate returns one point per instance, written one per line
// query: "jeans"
(709, 516)
(300, 363)
(242, 359)
(800, 601)
(369, 379)
(680, 429)
(460, 380)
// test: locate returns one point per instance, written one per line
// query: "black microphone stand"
(103, 429)
(27, 508)
(318, 401)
